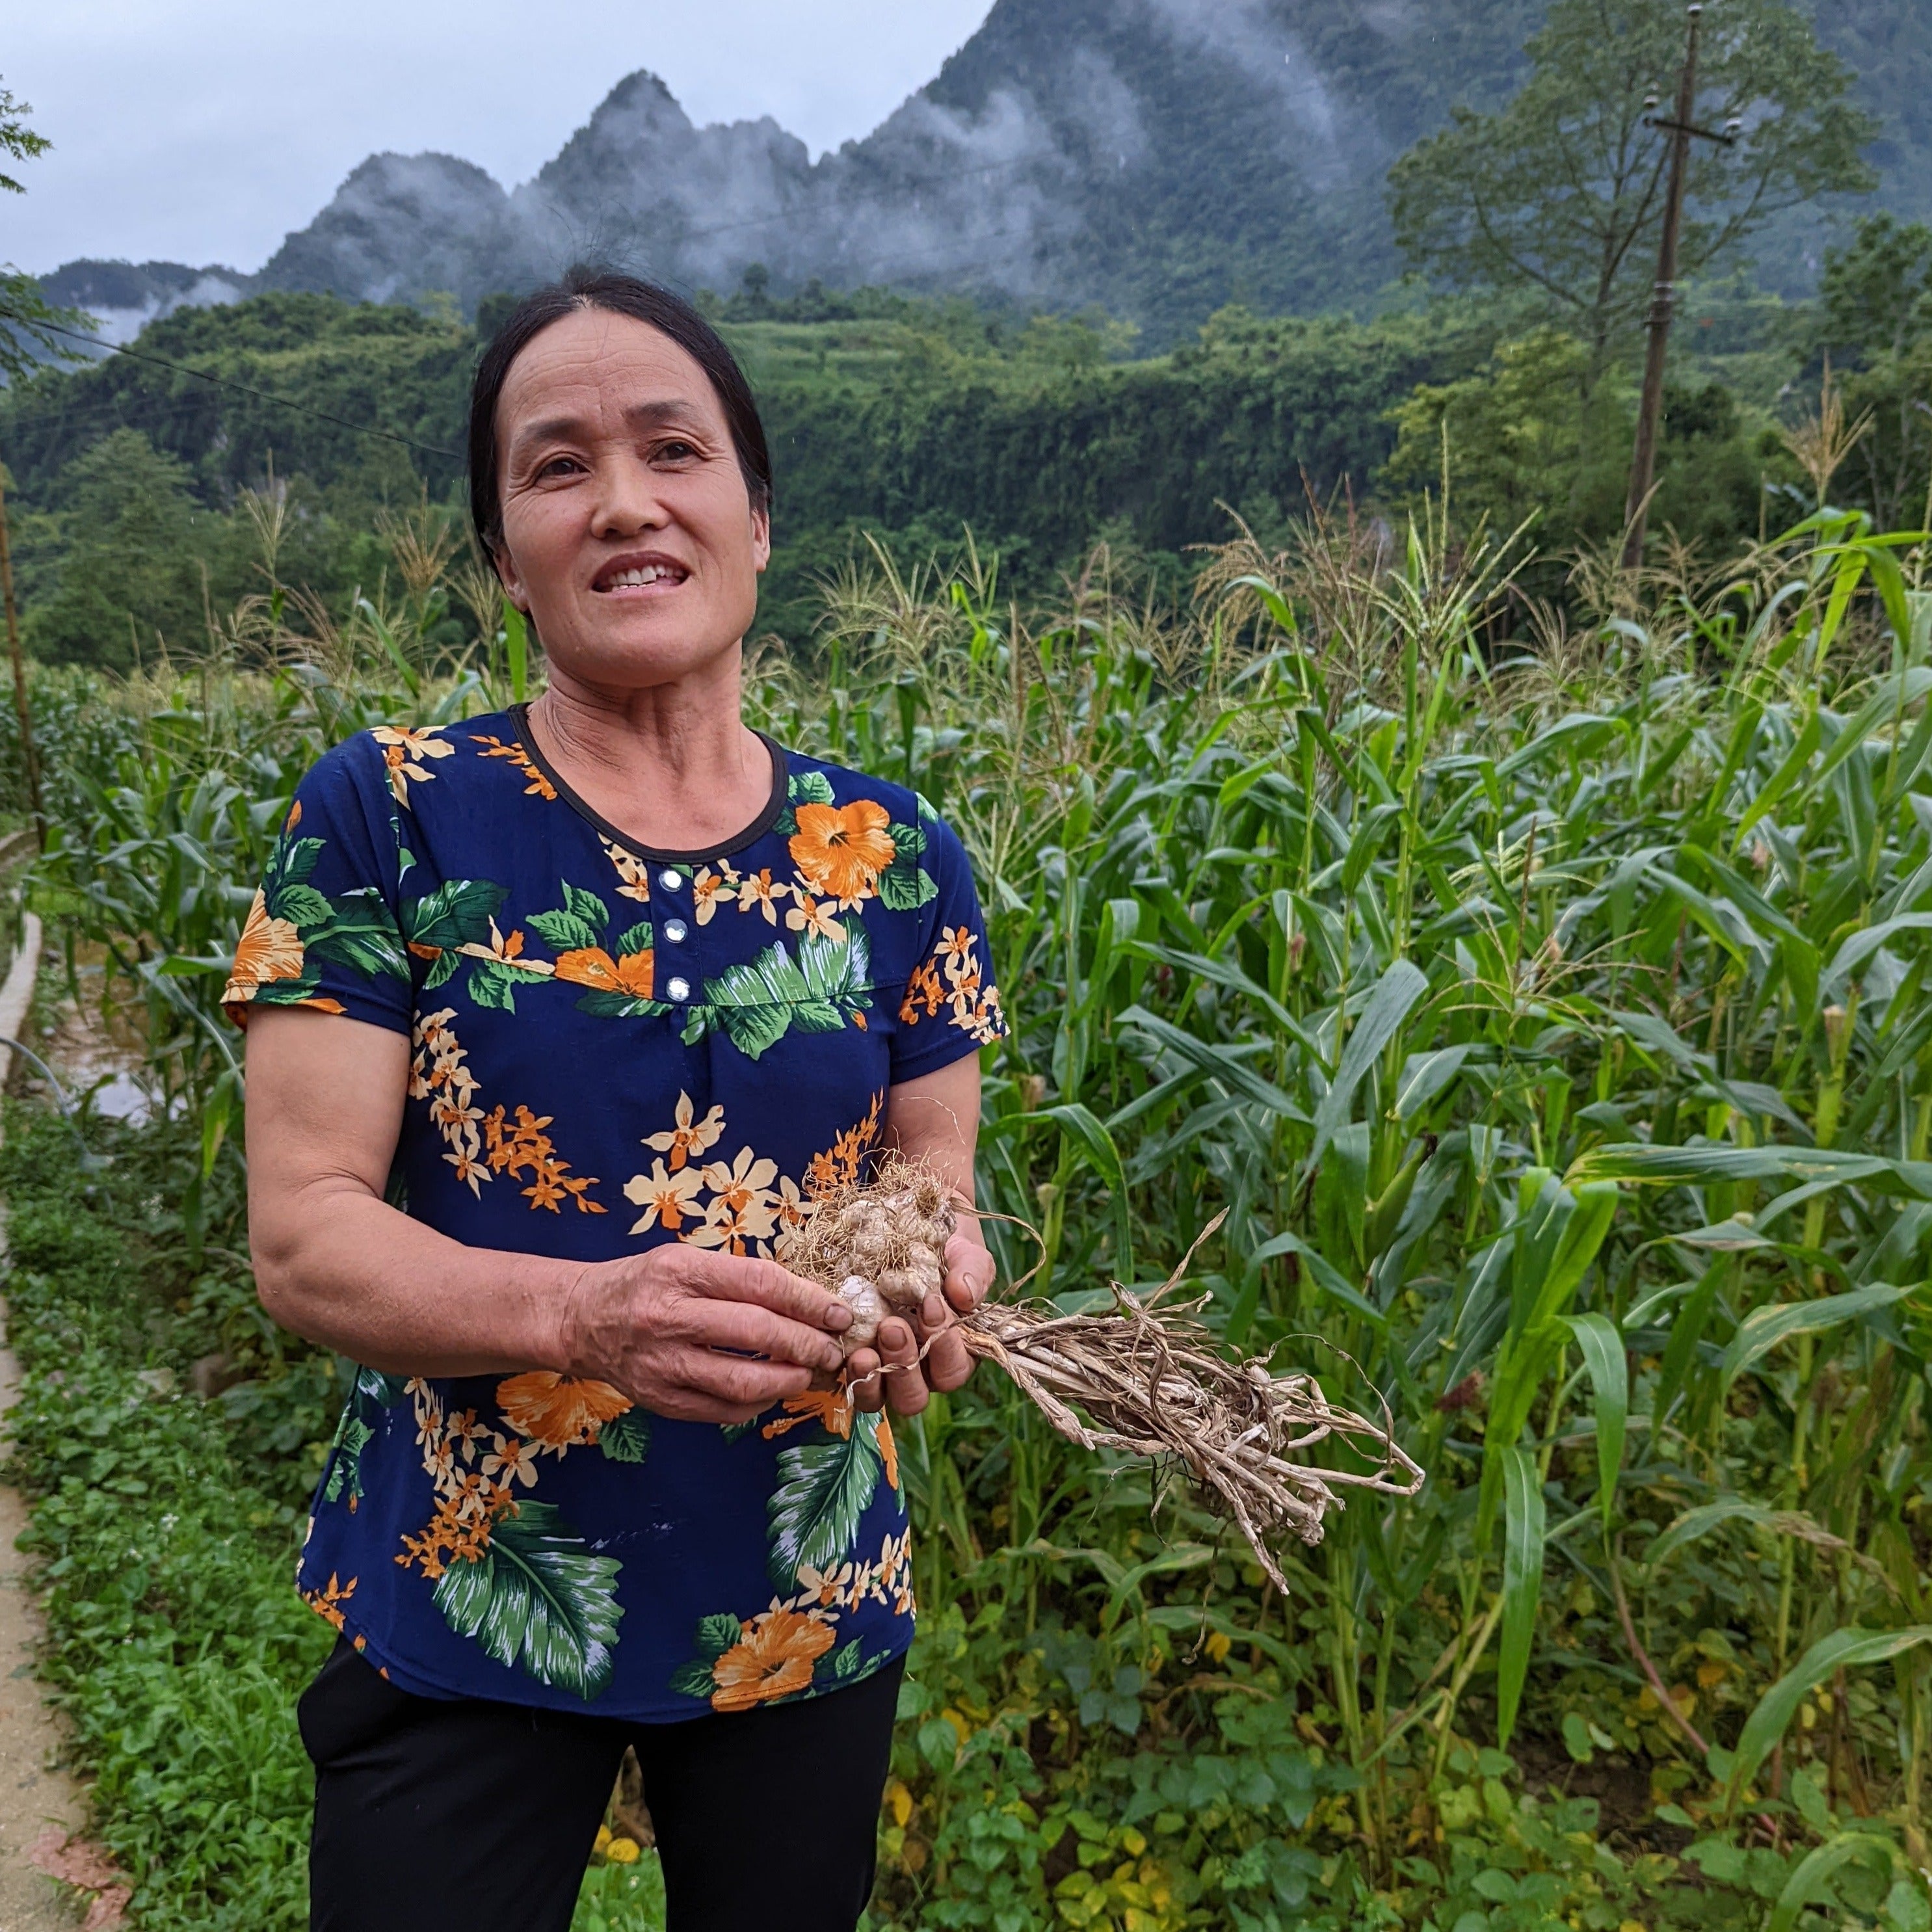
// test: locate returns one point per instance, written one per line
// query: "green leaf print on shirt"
(824, 1488)
(355, 930)
(457, 914)
(619, 976)
(822, 990)
(538, 1599)
(359, 932)
(801, 788)
(715, 1636)
(626, 1438)
(905, 885)
(373, 1392)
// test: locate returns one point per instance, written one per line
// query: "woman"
(557, 1019)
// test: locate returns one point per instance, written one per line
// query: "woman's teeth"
(651, 573)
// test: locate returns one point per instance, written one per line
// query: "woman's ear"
(761, 539)
(505, 566)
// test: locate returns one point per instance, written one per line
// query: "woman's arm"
(335, 1263)
(934, 1118)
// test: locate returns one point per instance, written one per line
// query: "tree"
(1875, 321)
(30, 325)
(128, 583)
(1876, 293)
(1560, 193)
(1513, 433)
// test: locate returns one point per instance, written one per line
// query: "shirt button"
(672, 882)
(674, 931)
(680, 989)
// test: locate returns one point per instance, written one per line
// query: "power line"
(260, 395)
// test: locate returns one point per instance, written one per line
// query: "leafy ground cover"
(1549, 1020)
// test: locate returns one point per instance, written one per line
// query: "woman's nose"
(629, 500)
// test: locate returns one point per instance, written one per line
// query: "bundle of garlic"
(1148, 1379)
(879, 1246)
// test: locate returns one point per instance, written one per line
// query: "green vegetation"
(138, 492)
(1549, 1021)
(166, 1524)
(1559, 194)
(1529, 958)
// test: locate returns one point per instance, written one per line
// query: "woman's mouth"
(659, 573)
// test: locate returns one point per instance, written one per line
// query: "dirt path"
(35, 1792)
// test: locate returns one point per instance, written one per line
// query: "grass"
(1549, 1017)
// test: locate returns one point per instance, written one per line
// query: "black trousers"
(480, 1817)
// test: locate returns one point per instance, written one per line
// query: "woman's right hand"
(701, 1336)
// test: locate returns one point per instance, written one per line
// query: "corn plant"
(1549, 1025)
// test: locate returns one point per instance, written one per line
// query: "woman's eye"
(559, 466)
(676, 452)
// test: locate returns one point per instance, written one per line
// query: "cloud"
(1321, 136)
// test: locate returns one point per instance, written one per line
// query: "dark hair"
(658, 308)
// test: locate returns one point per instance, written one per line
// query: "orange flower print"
(668, 1200)
(523, 1147)
(635, 874)
(790, 1211)
(510, 1461)
(830, 1408)
(842, 849)
(709, 890)
(538, 786)
(773, 1657)
(839, 1164)
(268, 949)
(762, 892)
(922, 989)
(952, 978)
(742, 1200)
(557, 1411)
(403, 751)
(634, 974)
(688, 1136)
(815, 916)
(327, 1602)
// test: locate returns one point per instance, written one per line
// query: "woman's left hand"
(906, 1382)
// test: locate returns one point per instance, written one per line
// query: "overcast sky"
(203, 130)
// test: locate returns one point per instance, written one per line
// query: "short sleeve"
(951, 1004)
(323, 932)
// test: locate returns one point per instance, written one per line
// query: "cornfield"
(1542, 1004)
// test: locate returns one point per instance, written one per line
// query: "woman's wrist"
(554, 1301)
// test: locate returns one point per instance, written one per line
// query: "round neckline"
(725, 848)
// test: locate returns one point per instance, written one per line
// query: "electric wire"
(261, 395)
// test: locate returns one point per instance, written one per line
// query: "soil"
(1621, 1785)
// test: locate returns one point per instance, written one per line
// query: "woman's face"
(629, 533)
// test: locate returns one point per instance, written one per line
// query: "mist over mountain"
(1159, 158)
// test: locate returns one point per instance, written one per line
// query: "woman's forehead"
(593, 362)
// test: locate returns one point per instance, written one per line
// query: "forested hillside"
(908, 420)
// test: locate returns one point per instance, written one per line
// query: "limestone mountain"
(1157, 157)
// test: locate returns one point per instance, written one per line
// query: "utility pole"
(28, 754)
(1650, 411)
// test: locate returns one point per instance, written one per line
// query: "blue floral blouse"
(615, 1047)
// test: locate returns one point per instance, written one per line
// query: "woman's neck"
(673, 765)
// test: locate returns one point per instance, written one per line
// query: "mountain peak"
(1158, 157)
